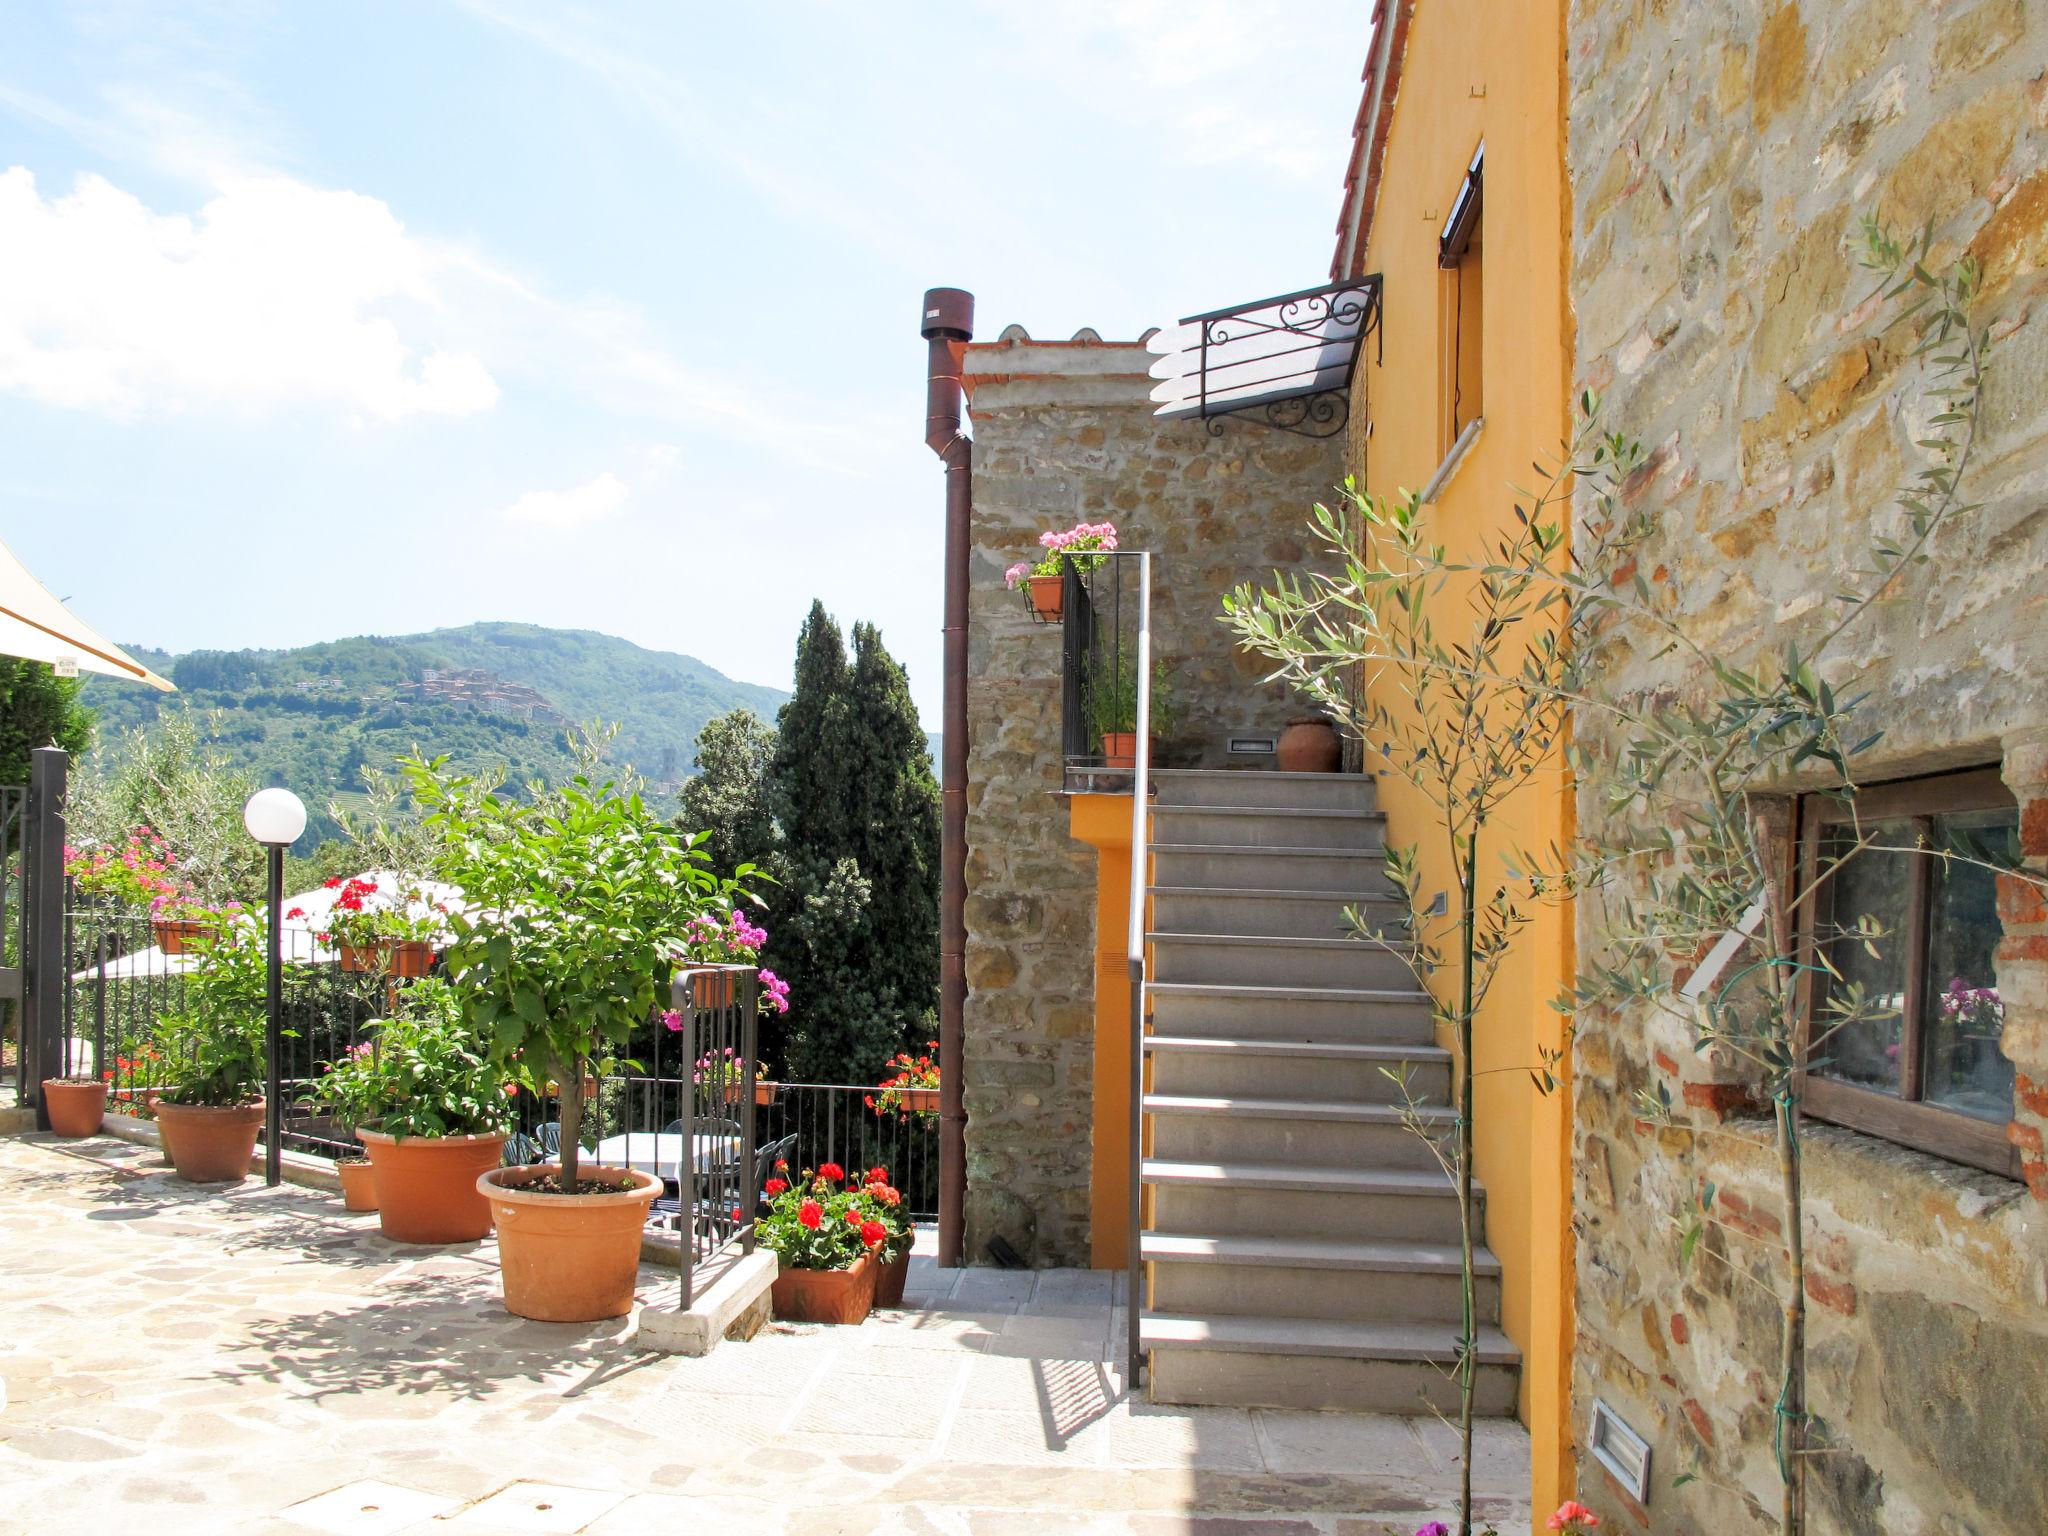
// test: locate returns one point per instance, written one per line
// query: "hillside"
(486, 694)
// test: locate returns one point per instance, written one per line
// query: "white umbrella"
(34, 625)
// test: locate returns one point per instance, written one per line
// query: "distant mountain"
(486, 694)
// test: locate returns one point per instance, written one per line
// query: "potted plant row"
(386, 932)
(1043, 581)
(433, 1111)
(833, 1238)
(563, 947)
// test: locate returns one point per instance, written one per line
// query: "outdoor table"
(661, 1153)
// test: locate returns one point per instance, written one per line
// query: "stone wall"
(1063, 432)
(1720, 155)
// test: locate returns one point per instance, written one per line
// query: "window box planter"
(176, 935)
(406, 957)
(427, 1185)
(764, 1092)
(568, 1258)
(844, 1296)
(77, 1105)
(208, 1145)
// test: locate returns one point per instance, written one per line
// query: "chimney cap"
(948, 312)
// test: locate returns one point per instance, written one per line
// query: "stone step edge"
(1315, 1336)
(1273, 893)
(1272, 851)
(1377, 1257)
(1331, 1111)
(1256, 991)
(1271, 941)
(1282, 774)
(1303, 812)
(1357, 1050)
(1424, 1183)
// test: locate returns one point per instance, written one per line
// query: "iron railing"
(1099, 669)
(1134, 946)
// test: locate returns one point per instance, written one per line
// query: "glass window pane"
(1872, 884)
(1961, 1065)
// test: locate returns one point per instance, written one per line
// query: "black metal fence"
(1098, 664)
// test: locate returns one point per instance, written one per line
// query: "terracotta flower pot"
(406, 957)
(568, 1258)
(1310, 744)
(920, 1101)
(826, 1295)
(426, 1185)
(1120, 749)
(76, 1108)
(711, 989)
(889, 1280)
(764, 1093)
(358, 1186)
(207, 1145)
(1048, 596)
(174, 935)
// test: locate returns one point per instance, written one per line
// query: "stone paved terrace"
(182, 1359)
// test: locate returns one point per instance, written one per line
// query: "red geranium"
(774, 1186)
(872, 1233)
(831, 1172)
(811, 1214)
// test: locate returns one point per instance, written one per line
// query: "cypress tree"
(728, 796)
(854, 920)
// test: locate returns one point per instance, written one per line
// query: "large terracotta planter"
(568, 1258)
(826, 1295)
(889, 1280)
(358, 1186)
(76, 1106)
(1310, 744)
(426, 1185)
(407, 957)
(1048, 597)
(209, 1146)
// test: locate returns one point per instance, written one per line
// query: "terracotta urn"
(1310, 744)
(568, 1258)
(208, 1145)
(427, 1185)
(826, 1295)
(76, 1105)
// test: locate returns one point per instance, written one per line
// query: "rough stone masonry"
(1063, 432)
(1721, 154)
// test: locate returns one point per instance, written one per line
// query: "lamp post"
(275, 818)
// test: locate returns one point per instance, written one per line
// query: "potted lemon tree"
(562, 950)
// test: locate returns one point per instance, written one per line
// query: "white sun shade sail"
(1273, 350)
(34, 625)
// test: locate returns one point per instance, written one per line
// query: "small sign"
(1251, 746)
(65, 666)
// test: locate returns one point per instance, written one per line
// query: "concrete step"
(1266, 960)
(1256, 826)
(1292, 1362)
(1373, 1281)
(1301, 1131)
(1281, 913)
(1240, 866)
(1281, 1069)
(1254, 1199)
(1366, 1015)
(1265, 787)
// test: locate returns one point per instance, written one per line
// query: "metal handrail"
(1141, 796)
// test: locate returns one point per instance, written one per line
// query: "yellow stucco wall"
(1104, 821)
(1474, 71)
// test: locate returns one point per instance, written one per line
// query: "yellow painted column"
(1104, 822)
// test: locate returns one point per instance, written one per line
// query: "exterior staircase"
(1301, 1243)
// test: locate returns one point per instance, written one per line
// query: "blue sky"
(320, 320)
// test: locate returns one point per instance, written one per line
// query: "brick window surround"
(1930, 1075)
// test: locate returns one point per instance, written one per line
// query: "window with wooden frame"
(1911, 919)
(1461, 260)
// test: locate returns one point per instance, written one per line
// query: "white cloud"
(274, 293)
(574, 508)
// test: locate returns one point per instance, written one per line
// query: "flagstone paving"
(175, 1358)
